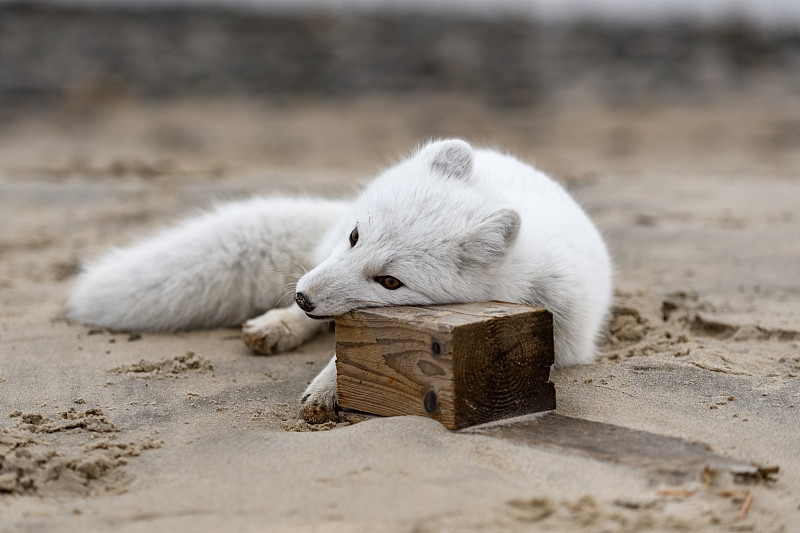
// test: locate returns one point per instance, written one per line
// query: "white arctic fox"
(449, 224)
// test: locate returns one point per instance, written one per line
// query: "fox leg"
(280, 330)
(320, 400)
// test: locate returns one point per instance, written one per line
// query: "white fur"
(217, 269)
(451, 223)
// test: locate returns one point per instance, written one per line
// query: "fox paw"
(320, 400)
(273, 332)
(317, 410)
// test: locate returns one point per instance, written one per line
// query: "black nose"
(304, 303)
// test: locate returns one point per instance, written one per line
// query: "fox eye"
(389, 282)
(353, 237)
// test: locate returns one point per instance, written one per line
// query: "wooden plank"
(661, 456)
(460, 364)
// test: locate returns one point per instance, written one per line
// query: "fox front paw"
(273, 332)
(319, 402)
(316, 409)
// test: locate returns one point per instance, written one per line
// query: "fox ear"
(450, 159)
(490, 238)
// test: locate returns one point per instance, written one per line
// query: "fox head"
(424, 232)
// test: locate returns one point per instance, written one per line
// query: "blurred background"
(159, 87)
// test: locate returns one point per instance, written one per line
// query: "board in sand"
(661, 456)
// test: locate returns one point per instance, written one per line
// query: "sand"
(190, 431)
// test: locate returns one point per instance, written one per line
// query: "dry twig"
(748, 501)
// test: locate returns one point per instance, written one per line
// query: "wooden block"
(459, 364)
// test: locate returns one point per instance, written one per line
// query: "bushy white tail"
(216, 269)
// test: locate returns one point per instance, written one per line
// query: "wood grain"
(460, 364)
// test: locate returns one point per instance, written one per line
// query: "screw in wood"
(430, 402)
(436, 348)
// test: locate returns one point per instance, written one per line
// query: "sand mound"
(167, 367)
(76, 464)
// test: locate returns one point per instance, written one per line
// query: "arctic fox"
(450, 224)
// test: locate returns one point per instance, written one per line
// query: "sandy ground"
(191, 432)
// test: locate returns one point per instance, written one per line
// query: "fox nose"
(303, 302)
